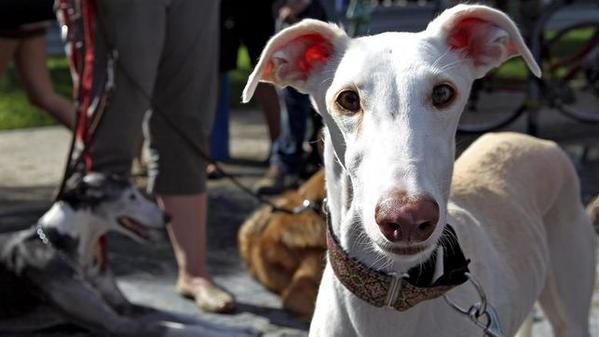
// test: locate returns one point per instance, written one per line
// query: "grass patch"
(15, 110)
(17, 113)
(238, 77)
(569, 44)
(513, 69)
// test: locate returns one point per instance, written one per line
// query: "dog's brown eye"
(442, 95)
(349, 100)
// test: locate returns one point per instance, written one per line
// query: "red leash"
(79, 17)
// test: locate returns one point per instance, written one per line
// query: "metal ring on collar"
(481, 310)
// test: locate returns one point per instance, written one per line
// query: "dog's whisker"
(440, 59)
(451, 65)
(327, 79)
(447, 244)
(362, 239)
(379, 260)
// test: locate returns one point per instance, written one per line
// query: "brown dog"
(286, 252)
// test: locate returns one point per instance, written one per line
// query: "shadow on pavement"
(278, 317)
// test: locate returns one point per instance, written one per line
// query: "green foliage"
(17, 113)
(238, 77)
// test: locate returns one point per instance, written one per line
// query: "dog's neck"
(339, 191)
(75, 232)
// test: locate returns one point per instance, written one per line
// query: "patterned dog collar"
(400, 292)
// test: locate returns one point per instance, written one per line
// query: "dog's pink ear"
(295, 54)
(486, 36)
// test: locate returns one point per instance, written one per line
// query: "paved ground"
(31, 167)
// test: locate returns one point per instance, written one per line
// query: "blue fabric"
(219, 138)
(287, 150)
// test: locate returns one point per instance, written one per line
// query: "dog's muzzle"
(134, 227)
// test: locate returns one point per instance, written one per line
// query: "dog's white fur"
(513, 200)
(86, 225)
(104, 217)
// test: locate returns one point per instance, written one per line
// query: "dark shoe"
(213, 173)
(273, 181)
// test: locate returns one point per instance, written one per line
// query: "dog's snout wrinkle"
(402, 218)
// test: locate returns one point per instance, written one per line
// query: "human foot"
(208, 296)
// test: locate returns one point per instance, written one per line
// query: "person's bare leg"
(188, 236)
(188, 232)
(30, 59)
(7, 52)
(211, 170)
(269, 101)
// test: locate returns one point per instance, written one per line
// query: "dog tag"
(487, 320)
(482, 314)
(493, 327)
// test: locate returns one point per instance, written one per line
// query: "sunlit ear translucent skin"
(486, 36)
(295, 54)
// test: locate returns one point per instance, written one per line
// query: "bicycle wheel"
(495, 101)
(571, 63)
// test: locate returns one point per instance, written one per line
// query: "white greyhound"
(391, 103)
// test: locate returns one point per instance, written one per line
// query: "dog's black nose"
(166, 217)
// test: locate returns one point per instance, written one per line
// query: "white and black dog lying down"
(50, 275)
